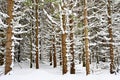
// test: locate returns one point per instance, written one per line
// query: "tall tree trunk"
(64, 35)
(54, 53)
(60, 53)
(86, 38)
(72, 65)
(50, 59)
(31, 60)
(64, 58)
(9, 35)
(111, 37)
(18, 57)
(37, 41)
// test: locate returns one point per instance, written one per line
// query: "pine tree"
(50, 56)
(37, 42)
(64, 35)
(54, 51)
(8, 61)
(86, 38)
(111, 36)
(31, 55)
(72, 66)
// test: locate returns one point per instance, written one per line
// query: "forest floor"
(21, 71)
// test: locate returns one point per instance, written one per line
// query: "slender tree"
(64, 35)
(64, 58)
(86, 38)
(72, 65)
(83, 58)
(18, 58)
(31, 49)
(50, 57)
(111, 36)
(37, 41)
(9, 37)
(54, 51)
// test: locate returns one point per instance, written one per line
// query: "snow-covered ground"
(23, 72)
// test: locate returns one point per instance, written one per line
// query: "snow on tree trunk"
(54, 52)
(72, 65)
(86, 38)
(64, 58)
(8, 61)
(64, 35)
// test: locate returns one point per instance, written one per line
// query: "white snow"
(3, 15)
(2, 24)
(23, 72)
(15, 38)
(61, 24)
(50, 17)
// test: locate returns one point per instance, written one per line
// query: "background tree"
(37, 42)
(111, 36)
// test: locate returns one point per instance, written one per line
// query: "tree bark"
(54, 53)
(72, 65)
(86, 38)
(37, 41)
(50, 59)
(31, 59)
(9, 37)
(60, 56)
(18, 57)
(111, 37)
(64, 58)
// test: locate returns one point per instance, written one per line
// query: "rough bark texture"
(111, 38)
(72, 65)
(86, 38)
(36, 16)
(9, 35)
(64, 58)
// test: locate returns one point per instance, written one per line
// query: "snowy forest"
(61, 39)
